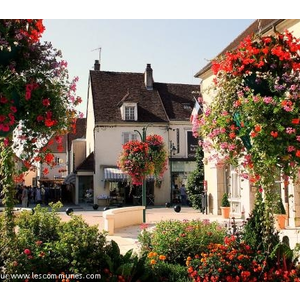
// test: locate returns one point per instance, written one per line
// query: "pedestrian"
(38, 196)
(183, 195)
(24, 196)
(43, 192)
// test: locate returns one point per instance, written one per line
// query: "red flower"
(274, 134)
(27, 252)
(46, 102)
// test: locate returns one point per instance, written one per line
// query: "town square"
(129, 178)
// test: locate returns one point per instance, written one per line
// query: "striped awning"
(115, 174)
(71, 178)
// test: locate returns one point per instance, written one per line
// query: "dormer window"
(129, 111)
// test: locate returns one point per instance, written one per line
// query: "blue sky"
(176, 48)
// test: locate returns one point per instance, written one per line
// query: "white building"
(121, 104)
(222, 178)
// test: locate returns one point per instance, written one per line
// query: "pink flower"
(289, 130)
(291, 148)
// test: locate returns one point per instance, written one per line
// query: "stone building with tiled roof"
(121, 104)
(221, 179)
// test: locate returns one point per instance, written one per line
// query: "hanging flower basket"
(140, 159)
(256, 109)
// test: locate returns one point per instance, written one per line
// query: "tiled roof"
(265, 25)
(164, 102)
(88, 164)
(80, 132)
(178, 99)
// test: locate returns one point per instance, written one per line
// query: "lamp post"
(172, 149)
(143, 139)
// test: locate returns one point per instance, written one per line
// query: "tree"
(195, 187)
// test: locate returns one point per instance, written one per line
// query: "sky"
(176, 48)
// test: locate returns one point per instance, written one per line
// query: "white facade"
(108, 147)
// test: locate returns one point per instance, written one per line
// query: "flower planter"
(225, 212)
(279, 221)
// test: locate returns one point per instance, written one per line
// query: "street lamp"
(143, 139)
(172, 152)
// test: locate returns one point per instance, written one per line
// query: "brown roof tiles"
(166, 101)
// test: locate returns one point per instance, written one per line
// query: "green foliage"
(178, 239)
(195, 182)
(279, 207)
(163, 271)
(128, 267)
(254, 230)
(39, 224)
(225, 202)
(45, 245)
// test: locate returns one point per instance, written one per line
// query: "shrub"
(179, 239)
(254, 230)
(163, 271)
(54, 250)
(236, 261)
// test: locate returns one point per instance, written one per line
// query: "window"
(129, 136)
(234, 183)
(129, 113)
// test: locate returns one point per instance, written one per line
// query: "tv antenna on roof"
(99, 49)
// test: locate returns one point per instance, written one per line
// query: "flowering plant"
(36, 94)
(157, 154)
(37, 99)
(253, 119)
(134, 161)
(236, 261)
(140, 159)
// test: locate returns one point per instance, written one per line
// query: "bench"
(122, 217)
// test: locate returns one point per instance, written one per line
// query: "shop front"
(119, 191)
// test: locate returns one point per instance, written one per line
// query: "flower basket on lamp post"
(253, 120)
(141, 158)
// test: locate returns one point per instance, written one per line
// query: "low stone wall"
(122, 217)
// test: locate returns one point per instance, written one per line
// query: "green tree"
(195, 181)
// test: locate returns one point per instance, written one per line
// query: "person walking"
(24, 196)
(183, 195)
(38, 196)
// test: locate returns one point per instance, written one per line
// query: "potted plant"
(279, 214)
(225, 206)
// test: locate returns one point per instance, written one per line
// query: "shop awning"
(71, 178)
(115, 174)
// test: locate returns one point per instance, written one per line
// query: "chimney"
(148, 78)
(97, 65)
